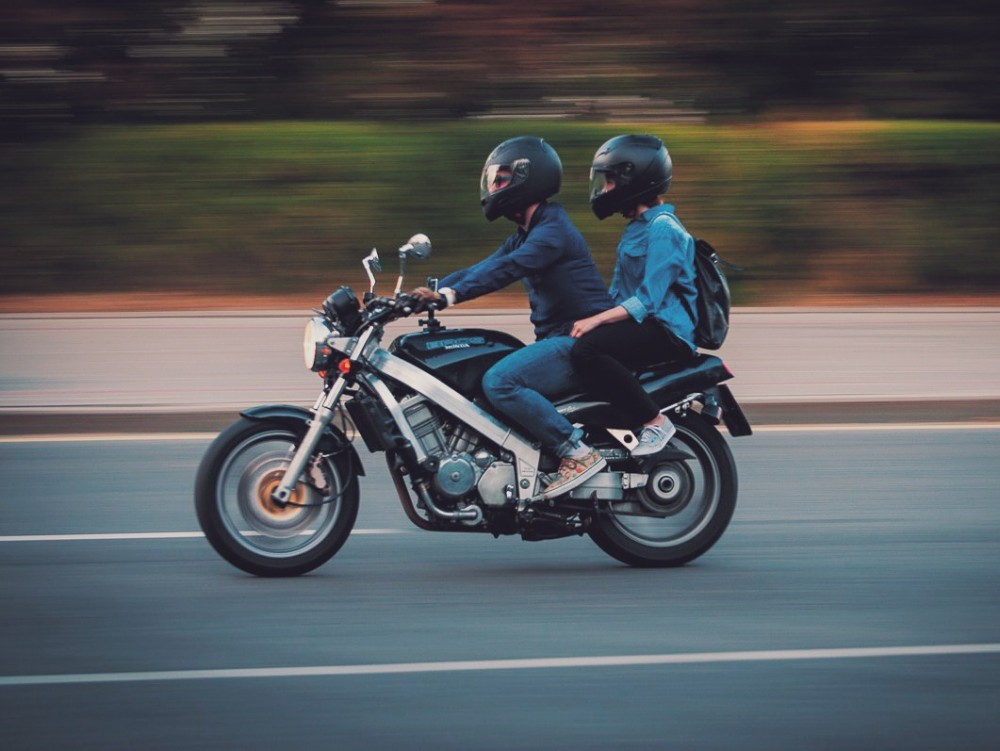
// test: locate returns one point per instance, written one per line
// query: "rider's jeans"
(521, 385)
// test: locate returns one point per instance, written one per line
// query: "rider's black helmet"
(639, 167)
(519, 172)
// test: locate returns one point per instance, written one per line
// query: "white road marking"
(105, 437)
(542, 663)
(880, 427)
(150, 536)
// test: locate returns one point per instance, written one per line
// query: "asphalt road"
(852, 604)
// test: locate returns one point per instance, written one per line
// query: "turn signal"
(344, 366)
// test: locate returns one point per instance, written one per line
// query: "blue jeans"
(521, 385)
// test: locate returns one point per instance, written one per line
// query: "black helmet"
(519, 172)
(639, 167)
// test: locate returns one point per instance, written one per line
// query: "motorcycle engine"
(456, 476)
(461, 461)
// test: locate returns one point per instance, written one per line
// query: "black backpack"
(713, 296)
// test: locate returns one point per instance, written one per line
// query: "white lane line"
(880, 427)
(780, 655)
(105, 437)
(102, 536)
(150, 536)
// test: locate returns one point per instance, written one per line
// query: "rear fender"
(296, 418)
(732, 414)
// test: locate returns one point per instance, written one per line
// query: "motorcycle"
(277, 492)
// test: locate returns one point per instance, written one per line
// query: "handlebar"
(386, 309)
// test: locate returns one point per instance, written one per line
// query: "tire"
(232, 499)
(684, 508)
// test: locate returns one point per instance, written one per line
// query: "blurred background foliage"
(217, 146)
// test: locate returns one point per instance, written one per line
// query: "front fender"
(291, 415)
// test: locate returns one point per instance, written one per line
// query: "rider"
(550, 257)
(652, 286)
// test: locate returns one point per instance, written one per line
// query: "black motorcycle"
(277, 492)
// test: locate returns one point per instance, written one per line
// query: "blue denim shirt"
(655, 270)
(553, 262)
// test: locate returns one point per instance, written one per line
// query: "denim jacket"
(655, 270)
(553, 262)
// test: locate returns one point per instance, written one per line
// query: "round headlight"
(343, 306)
(314, 347)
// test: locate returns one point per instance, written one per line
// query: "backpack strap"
(704, 246)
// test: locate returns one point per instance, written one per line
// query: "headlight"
(343, 306)
(314, 347)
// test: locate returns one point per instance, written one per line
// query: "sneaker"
(574, 472)
(654, 438)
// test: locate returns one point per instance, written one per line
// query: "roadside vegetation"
(271, 208)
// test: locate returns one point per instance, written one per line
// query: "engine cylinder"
(426, 427)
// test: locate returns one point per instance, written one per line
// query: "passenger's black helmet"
(639, 167)
(519, 172)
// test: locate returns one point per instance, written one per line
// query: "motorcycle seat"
(672, 375)
(665, 382)
(676, 371)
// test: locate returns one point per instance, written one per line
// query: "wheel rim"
(683, 495)
(255, 522)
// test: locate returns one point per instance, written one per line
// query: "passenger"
(653, 288)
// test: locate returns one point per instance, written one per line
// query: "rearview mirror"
(418, 246)
(371, 264)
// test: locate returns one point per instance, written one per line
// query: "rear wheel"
(683, 509)
(233, 501)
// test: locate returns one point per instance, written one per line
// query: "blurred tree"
(63, 61)
(889, 59)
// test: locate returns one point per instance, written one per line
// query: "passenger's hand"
(584, 325)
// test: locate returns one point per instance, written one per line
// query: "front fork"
(323, 414)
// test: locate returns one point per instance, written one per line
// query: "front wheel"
(685, 506)
(233, 501)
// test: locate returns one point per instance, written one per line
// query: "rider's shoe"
(654, 438)
(573, 472)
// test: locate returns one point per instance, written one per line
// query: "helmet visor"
(495, 177)
(601, 181)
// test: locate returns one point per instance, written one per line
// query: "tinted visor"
(601, 181)
(495, 177)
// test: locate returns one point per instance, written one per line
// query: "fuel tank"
(459, 357)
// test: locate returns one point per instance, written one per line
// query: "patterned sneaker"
(573, 472)
(654, 438)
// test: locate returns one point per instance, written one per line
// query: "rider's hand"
(426, 294)
(424, 297)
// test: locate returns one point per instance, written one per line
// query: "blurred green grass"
(280, 207)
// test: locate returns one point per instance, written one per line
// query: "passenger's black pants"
(606, 357)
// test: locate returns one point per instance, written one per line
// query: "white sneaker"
(654, 438)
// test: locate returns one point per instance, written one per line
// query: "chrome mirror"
(371, 264)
